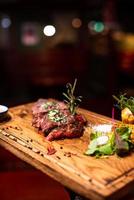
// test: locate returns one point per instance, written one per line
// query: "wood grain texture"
(105, 178)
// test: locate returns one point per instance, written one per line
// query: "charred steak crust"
(55, 120)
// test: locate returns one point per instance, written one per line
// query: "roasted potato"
(127, 116)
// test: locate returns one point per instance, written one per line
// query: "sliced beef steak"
(55, 120)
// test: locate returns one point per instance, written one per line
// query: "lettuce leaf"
(119, 142)
(122, 140)
(106, 149)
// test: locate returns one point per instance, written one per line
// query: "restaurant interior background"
(45, 44)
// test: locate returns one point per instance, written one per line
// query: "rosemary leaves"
(71, 100)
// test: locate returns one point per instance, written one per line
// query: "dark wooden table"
(97, 179)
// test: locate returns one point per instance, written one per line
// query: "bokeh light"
(99, 27)
(96, 26)
(5, 22)
(49, 30)
(76, 23)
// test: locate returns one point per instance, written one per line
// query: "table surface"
(98, 179)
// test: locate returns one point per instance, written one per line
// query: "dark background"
(99, 52)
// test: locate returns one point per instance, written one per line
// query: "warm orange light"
(76, 23)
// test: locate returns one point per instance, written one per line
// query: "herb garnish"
(56, 116)
(124, 102)
(48, 104)
(71, 100)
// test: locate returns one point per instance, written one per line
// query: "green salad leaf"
(123, 142)
(124, 132)
(108, 148)
(118, 142)
(94, 148)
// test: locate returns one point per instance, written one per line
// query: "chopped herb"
(56, 116)
(48, 104)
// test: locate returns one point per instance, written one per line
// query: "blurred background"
(45, 44)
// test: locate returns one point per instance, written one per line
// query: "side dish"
(126, 105)
(110, 139)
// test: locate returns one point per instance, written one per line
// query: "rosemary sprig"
(123, 102)
(71, 100)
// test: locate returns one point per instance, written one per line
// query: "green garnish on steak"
(48, 104)
(56, 116)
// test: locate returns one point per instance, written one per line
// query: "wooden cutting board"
(104, 178)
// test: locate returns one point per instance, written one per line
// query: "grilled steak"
(54, 119)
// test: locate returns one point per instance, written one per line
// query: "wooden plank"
(93, 178)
